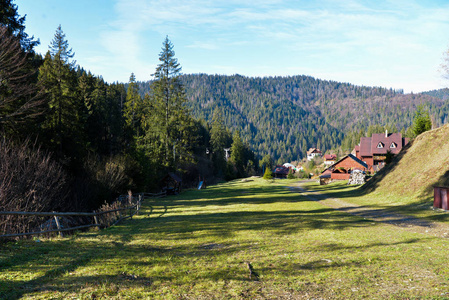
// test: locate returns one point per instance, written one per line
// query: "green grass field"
(194, 245)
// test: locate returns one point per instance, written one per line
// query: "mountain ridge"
(286, 115)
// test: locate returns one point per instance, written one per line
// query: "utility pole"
(227, 153)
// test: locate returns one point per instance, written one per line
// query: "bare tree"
(29, 181)
(19, 97)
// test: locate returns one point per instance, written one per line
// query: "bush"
(302, 174)
(268, 175)
(29, 181)
(290, 174)
(231, 172)
(109, 177)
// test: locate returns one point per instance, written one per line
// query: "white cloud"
(382, 37)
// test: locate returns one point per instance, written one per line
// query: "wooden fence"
(130, 210)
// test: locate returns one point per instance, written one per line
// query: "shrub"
(109, 177)
(268, 175)
(29, 181)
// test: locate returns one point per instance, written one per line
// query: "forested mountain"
(284, 116)
(441, 93)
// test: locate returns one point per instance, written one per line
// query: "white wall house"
(312, 153)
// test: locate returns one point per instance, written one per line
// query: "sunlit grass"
(194, 245)
(389, 200)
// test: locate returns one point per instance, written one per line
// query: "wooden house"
(373, 150)
(281, 172)
(342, 168)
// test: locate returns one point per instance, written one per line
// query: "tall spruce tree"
(238, 153)
(133, 108)
(218, 139)
(168, 125)
(58, 81)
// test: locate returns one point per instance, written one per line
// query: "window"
(393, 145)
(380, 145)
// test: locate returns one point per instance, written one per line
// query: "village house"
(312, 153)
(281, 172)
(330, 159)
(373, 150)
(343, 168)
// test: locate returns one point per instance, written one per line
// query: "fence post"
(138, 204)
(96, 219)
(59, 226)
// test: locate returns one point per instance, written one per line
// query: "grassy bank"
(194, 245)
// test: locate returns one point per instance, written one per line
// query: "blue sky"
(398, 44)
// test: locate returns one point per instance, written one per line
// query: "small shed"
(325, 177)
(440, 197)
(171, 183)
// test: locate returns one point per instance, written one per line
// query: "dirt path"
(408, 223)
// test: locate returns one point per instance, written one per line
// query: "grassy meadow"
(195, 245)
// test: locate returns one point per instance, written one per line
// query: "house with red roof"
(330, 159)
(373, 150)
(342, 169)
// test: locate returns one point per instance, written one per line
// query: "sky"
(397, 44)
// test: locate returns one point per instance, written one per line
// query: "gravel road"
(408, 223)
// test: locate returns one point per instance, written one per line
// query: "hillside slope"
(413, 173)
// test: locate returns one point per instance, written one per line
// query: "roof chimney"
(386, 133)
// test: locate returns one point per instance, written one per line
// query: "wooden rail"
(153, 195)
(46, 231)
(134, 209)
(63, 214)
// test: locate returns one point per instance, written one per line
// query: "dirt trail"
(408, 223)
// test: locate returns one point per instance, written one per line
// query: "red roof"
(365, 146)
(381, 143)
(330, 157)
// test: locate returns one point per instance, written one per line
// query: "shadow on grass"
(116, 252)
(61, 279)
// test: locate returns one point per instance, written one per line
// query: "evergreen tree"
(59, 49)
(238, 153)
(15, 24)
(268, 175)
(267, 162)
(168, 126)
(422, 121)
(115, 96)
(133, 107)
(218, 140)
(58, 81)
